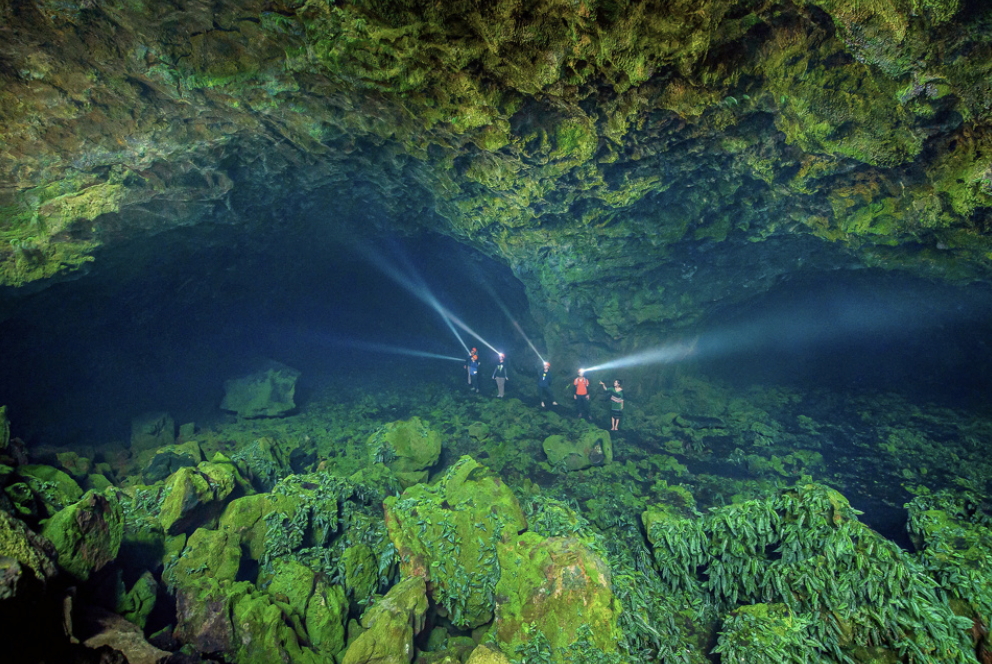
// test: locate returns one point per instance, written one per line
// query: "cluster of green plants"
(953, 530)
(806, 550)
(332, 514)
(141, 505)
(258, 464)
(655, 623)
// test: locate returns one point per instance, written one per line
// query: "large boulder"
(408, 448)
(52, 488)
(195, 494)
(268, 392)
(204, 614)
(558, 586)
(246, 518)
(167, 460)
(449, 532)
(213, 553)
(391, 625)
(27, 561)
(592, 448)
(87, 535)
(138, 603)
(321, 608)
(103, 629)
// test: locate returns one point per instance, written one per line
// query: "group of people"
(580, 383)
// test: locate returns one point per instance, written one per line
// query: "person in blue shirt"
(473, 371)
(544, 386)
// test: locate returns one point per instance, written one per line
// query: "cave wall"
(636, 164)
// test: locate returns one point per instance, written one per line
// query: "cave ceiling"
(633, 163)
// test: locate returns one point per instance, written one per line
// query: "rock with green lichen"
(267, 392)
(22, 499)
(319, 607)
(484, 654)
(139, 602)
(78, 467)
(207, 553)
(360, 566)
(87, 534)
(448, 532)
(28, 560)
(204, 617)
(391, 625)
(195, 494)
(407, 447)
(246, 518)
(264, 461)
(53, 488)
(266, 630)
(593, 448)
(167, 460)
(558, 587)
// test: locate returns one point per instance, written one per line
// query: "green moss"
(558, 586)
(87, 534)
(208, 553)
(449, 532)
(54, 488)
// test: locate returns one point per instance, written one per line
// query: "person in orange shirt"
(582, 394)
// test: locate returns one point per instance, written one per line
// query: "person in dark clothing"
(544, 386)
(582, 394)
(616, 403)
(499, 375)
(473, 371)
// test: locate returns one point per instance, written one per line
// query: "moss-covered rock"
(87, 534)
(558, 587)
(207, 553)
(407, 447)
(246, 518)
(319, 607)
(204, 614)
(593, 448)
(391, 625)
(139, 602)
(24, 553)
(360, 565)
(53, 488)
(448, 533)
(267, 392)
(194, 494)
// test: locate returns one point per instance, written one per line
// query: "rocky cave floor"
(380, 523)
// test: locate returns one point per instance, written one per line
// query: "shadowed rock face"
(634, 164)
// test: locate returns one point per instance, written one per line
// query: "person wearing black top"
(499, 375)
(544, 386)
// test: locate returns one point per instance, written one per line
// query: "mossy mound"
(53, 489)
(191, 493)
(208, 553)
(557, 587)
(449, 533)
(87, 534)
(321, 609)
(32, 554)
(407, 447)
(593, 448)
(391, 625)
